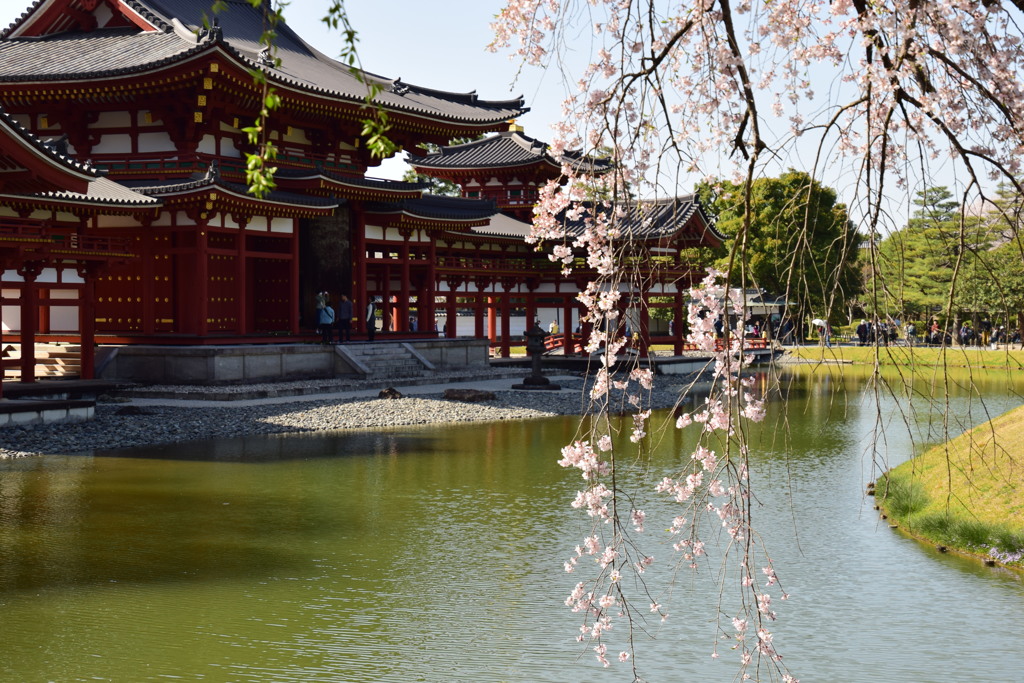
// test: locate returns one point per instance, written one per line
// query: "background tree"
(914, 265)
(799, 243)
(993, 279)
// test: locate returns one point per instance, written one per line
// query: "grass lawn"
(921, 356)
(967, 494)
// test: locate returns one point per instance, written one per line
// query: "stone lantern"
(535, 348)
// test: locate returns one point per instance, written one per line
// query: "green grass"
(967, 494)
(919, 356)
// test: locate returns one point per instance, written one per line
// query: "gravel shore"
(118, 424)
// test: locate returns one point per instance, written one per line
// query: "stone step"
(387, 360)
(51, 360)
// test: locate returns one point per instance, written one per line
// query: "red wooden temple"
(124, 216)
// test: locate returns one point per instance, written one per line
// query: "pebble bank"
(121, 425)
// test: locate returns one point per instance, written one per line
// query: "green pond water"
(435, 554)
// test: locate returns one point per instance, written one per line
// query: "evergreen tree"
(801, 242)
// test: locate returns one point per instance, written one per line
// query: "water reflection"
(435, 554)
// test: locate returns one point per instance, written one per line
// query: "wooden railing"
(45, 240)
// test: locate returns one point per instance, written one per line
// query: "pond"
(435, 554)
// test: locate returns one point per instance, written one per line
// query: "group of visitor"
(881, 332)
(330, 318)
(967, 334)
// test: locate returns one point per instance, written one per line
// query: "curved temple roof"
(43, 44)
(54, 176)
(506, 149)
(650, 220)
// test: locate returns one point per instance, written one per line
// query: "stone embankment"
(120, 424)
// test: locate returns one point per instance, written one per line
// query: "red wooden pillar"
(452, 312)
(295, 309)
(29, 318)
(87, 321)
(678, 324)
(492, 326)
(428, 302)
(403, 303)
(43, 311)
(645, 325)
(506, 324)
(243, 296)
(567, 328)
(478, 313)
(360, 288)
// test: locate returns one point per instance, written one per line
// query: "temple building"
(125, 217)
(509, 169)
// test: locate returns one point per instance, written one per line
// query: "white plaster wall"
(228, 149)
(157, 141)
(297, 135)
(47, 276)
(208, 145)
(11, 319)
(64, 318)
(114, 144)
(282, 225)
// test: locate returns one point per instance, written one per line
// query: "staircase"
(53, 361)
(387, 361)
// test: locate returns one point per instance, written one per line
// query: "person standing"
(326, 320)
(371, 319)
(344, 320)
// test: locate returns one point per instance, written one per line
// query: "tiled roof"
(103, 191)
(382, 184)
(104, 53)
(98, 190)
(655, 219)
(506, 149)
(504, 226)
(437, 208)
(10, 125)
(183, 187)
(111, 52)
